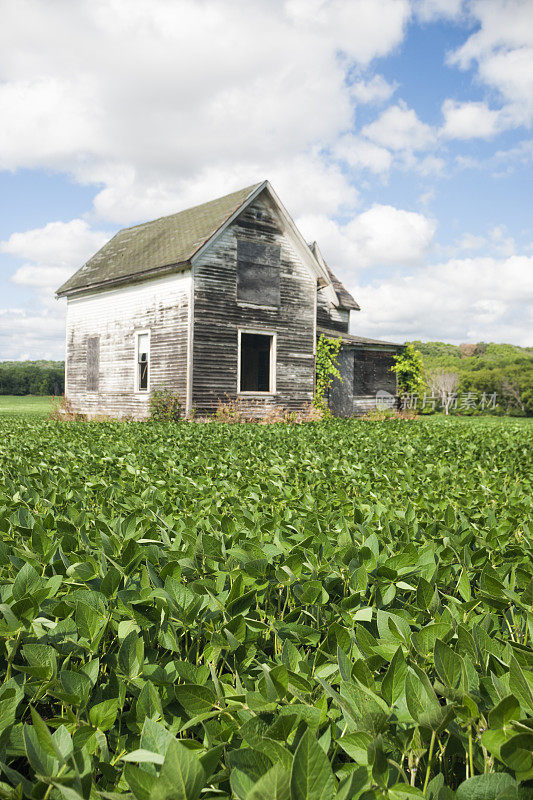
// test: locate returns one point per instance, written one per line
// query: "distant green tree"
(486, 368)
(32, 377)
(409, 369)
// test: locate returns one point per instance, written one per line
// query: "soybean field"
(340, 609)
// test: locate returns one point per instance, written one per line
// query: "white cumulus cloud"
(57, 243)
(52, 252)
(469, 120)
(430, 10)
(32, 333)
(158, 100)
(382, 235)
(362, 154)
(399, 128)
(502, 50)
(469, 299)
(373, 90)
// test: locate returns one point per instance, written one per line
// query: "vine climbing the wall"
(409, 369)
(327, 352)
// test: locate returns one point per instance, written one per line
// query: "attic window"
(258, 273)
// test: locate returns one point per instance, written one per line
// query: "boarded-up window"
(93, 363)
(372, 372)
(258, 273)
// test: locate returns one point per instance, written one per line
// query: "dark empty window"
(93, 363)
(143, 357)
(256, 362)
(258, 273)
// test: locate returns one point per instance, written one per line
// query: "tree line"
(466, 374)
(32, 377)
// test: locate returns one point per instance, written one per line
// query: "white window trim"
(142, 392)
(273, 362)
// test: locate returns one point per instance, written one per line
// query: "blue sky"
(397, 132)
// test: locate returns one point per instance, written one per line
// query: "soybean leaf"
(139, 781)
(26, 581)
(273, 785)
(448, 665)
(311, 775)
(519, 686)
(392, 686)
(181, 777)
(131, 655)
(492, 786)
(103, 715)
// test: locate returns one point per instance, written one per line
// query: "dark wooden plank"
(93, 363)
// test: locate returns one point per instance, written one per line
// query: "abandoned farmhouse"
(222, 301)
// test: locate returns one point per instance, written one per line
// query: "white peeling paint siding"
(160, 306)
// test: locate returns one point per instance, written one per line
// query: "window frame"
(273, 362)
(137, 389)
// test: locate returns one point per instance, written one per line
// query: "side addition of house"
(217, 302)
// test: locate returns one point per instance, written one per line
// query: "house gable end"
(280, 309)
(286, 225)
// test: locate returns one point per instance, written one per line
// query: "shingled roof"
(154, 245)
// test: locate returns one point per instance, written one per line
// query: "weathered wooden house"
(221, 301)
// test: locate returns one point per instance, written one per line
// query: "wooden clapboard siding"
(160, 306)
(341, 392)
(218, 316)
(329, 316)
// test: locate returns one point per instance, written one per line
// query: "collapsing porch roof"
(357, 341)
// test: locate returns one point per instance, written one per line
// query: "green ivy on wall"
(327, 352)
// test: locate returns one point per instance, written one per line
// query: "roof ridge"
(248, 189)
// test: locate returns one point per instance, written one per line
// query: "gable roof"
(164, 242)
(177, 240)
(343, 297)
